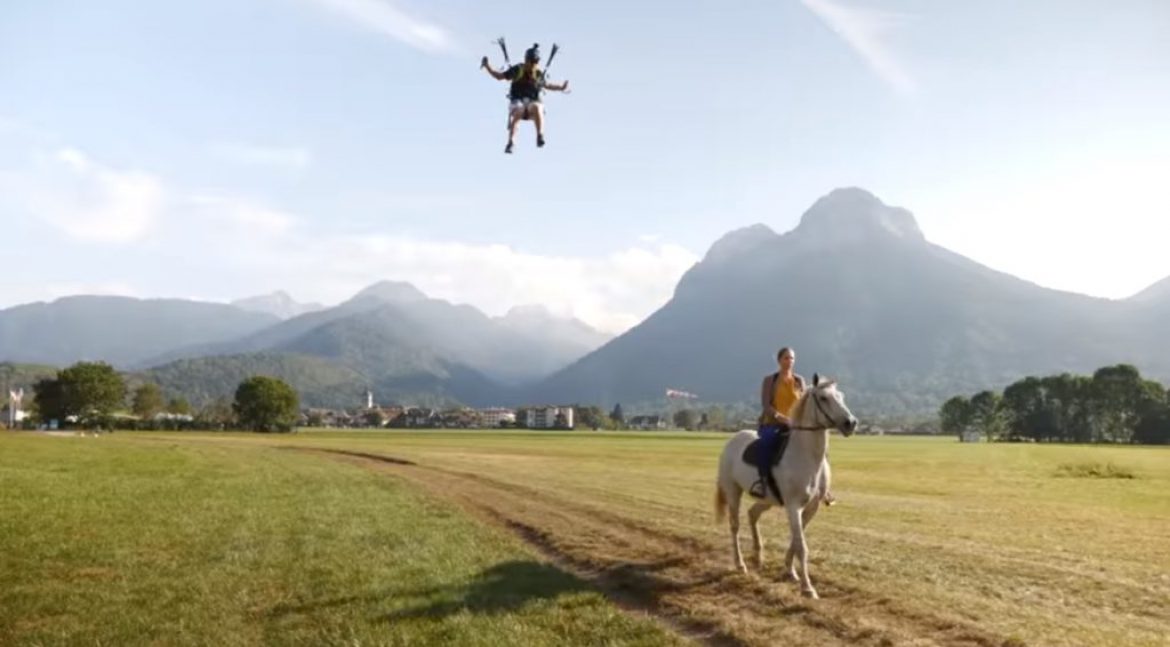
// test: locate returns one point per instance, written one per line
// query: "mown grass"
(986, 532)
(121, 540)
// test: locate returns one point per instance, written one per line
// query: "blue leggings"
(772, 437)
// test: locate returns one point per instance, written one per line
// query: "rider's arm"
(499, 76)
(770, 412)
(559, 87)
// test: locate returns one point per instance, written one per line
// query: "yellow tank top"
(785, 395)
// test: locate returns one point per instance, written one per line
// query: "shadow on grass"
(502, 588)
(499, 589)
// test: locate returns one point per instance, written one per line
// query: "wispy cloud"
(290, 157)
(262, 246)
(87, 200)
(611, 292)
(387, 19)
(867, 31)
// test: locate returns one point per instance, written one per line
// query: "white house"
(496, 416)
(647, 422)
(546, 417)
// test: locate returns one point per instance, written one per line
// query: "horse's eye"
(824, 398)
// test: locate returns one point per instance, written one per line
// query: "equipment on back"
(535, 85)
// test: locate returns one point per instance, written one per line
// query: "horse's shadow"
(502, 588)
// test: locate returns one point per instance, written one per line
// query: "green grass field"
(120, 541)
(522, 537)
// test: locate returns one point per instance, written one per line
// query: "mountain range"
(389, 338)
(861, 295)
(855, 288)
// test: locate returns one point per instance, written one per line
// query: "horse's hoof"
(792, 576)
(810, 593)
(742, 568)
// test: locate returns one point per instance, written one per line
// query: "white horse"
(802, 475)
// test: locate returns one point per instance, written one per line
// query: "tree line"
(1114, 405)
(93, 395)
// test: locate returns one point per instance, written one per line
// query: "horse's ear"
(816, 379)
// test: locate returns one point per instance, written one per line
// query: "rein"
(823, 413)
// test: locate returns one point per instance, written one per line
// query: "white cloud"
(290, 158)
(867, 31)
(87, 200)
(241, 216)
(268, 249)
(386, 19)
(611, 292)
(215, 235)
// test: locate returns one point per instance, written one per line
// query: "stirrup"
(760, 493)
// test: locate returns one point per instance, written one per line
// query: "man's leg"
(515, 114)
(538, 118)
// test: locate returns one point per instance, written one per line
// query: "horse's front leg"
(754, 514)
(798, 548)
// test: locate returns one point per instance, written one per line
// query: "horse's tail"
(720, 504)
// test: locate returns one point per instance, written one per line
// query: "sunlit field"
(554, 538)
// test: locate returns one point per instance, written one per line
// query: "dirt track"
(684, 582)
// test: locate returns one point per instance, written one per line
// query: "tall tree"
(266, 404)
(955, 415)
(591, 417)
(686, 419)
(148, 401)
(1118, 393)
(618, 417)
(179, 406)
(88, 390)
(986, 414)
(1153, 427)
(1069, 399)
(49, 400)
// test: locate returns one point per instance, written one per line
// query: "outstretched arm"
(558, 87)
(499, 76)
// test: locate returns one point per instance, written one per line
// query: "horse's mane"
(798, 410)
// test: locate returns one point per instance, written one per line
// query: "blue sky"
(219, 149)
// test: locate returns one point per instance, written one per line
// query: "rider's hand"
(483, 62)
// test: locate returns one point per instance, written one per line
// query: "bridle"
(825, 414)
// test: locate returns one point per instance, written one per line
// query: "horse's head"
(829, 405)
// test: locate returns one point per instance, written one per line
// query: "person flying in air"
(528, 82)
